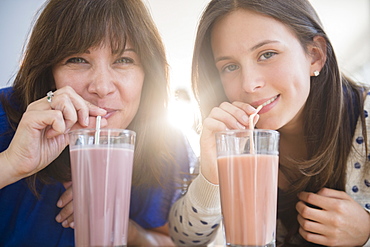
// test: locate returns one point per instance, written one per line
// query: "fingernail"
(245, 119)
(72, 225)
(58, 218)
(240, 126)
(60, 203)
(86, 121)
(65, 224)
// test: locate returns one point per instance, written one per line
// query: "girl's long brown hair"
(332, 107)
(66, 27)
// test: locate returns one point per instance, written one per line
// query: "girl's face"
(260, 61)
(110, 81)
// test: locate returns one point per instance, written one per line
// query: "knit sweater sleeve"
(358, 172)
(195, 218)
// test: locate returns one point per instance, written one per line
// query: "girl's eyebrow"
(260, 44)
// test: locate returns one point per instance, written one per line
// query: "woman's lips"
(110, 112)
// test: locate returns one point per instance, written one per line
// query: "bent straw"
(251, 127)
(97, 130)
(251, 117)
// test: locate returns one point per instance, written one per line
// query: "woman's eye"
(231, 68)
(76, 60)
(267, 55)
(125, 60)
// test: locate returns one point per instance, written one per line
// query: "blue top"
(26, 220)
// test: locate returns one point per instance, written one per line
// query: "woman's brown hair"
(66, 27)
(332, 106)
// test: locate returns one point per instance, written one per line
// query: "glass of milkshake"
(101, 163)
(248, 175)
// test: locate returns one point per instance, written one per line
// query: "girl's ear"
(317, 51)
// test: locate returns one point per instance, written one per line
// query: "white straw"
(251, 127)
(97, 130)
(251, 117)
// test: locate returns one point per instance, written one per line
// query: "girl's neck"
(292, 147)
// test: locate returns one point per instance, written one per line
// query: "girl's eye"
(231, 68)
(267, 55)
(125, 60)
(76, 60)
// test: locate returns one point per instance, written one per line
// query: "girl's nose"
(251, 80)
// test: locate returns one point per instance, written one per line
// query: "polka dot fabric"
(358, 172)
(194, 219)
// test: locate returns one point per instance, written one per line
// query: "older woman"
(94, 57)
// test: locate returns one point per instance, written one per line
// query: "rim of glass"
(90, 130)
(230, 132)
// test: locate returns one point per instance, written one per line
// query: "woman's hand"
(339, 221)
(65, 202)
(42, 133)
(226, 116)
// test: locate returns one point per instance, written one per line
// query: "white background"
(347, 23)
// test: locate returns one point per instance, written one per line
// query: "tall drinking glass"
(248, 175)
(101, 162)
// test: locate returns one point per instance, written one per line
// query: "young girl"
(276, 53)
(94, 57)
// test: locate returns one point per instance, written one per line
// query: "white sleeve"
(194, 218)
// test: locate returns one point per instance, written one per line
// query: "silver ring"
(50, 96)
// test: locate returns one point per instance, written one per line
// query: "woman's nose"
(102, 83)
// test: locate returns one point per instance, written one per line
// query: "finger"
(312, 237)
(65, 213)
(92, 124)
(314, 199)
(64, 104)
(74, 107)
(331, 193)
(213, 125)
(223, 115)
(311, 213)
(305, 211)
(41, 120)
(247, 108)
(311, 226)
(236, 112)
(67, 184)
(65, 198)
(69, 222)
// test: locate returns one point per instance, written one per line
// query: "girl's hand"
(339, 221)
(226, 116)
(42, 133)
(138, 236)
(65, 202)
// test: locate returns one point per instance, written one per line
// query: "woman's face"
(110, 81)
(260, 61)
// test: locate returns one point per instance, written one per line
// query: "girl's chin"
(269, 126)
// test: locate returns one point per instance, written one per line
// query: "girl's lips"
(264, 102)
(268, 104)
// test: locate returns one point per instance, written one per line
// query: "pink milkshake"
(101, 178)
(248, 187)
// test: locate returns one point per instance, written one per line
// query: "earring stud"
(316, 73)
